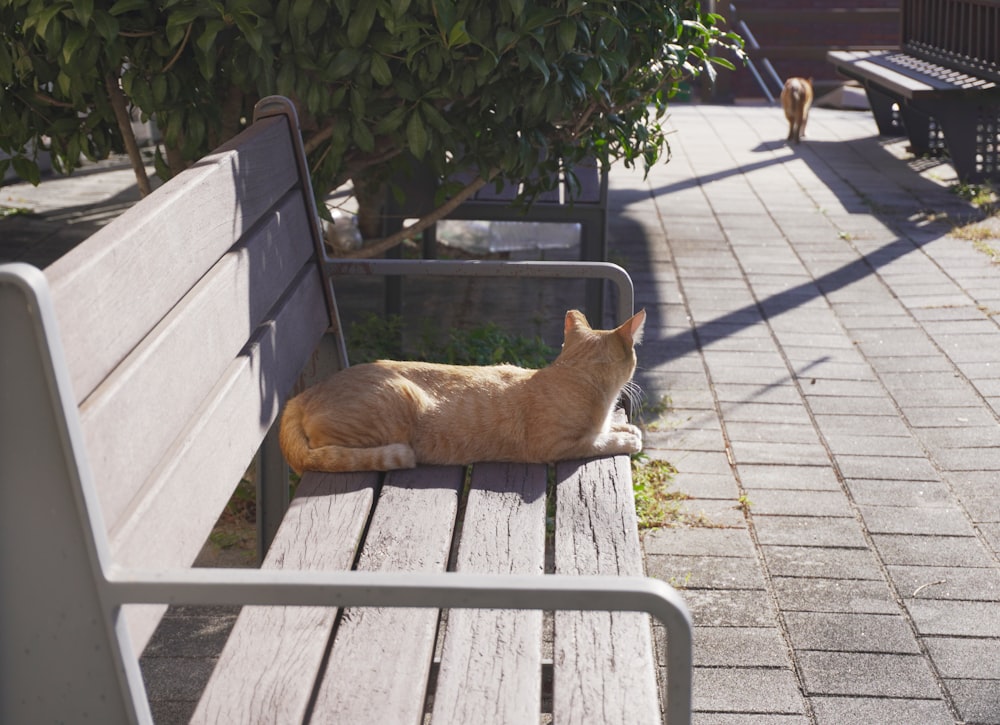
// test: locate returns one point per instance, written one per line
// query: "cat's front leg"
(626, 428)
(619, 440)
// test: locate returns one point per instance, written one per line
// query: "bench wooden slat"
(491, 663)
(123, 449)
(188, 224)
(163, 528)
(380, 662)
(602, 664)
(266, 673)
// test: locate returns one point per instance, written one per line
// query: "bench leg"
(881, 105)
(918, 129)
(593, 248)
(272, 491)
(960, 126)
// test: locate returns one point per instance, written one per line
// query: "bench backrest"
(184, 325)
(963, 34)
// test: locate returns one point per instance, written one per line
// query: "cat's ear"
(632, 329)
(575, 320)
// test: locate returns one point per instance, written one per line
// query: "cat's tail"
(301, 457)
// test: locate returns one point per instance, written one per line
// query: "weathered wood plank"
(491, 664)
(215, 319)
(117, 274)
(603, 668)
(162, 528)
(380, 662)
(267, 670)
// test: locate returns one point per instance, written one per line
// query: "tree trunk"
(120, 108)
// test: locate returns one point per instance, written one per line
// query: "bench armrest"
(438, 590)
(475, 268)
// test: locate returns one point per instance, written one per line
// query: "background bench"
(944, 81)
(582, 200)
(142, 373)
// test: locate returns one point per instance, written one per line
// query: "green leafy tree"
(507, 88)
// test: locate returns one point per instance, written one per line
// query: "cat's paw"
(621, 442)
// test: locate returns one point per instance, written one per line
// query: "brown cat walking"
(796, 98)
(386, 415)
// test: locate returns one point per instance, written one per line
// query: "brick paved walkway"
(832, 357)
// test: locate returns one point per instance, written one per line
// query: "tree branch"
(383, 245)
(120, 108)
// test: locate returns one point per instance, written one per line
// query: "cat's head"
(613, 349)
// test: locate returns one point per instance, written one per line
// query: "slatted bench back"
(962, 34)
(185, 324)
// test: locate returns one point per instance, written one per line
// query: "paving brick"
(707, 485)
(813, 561)
(833, 595)
(746, 690)
(877, 675)
(874, 445)
(921, 494)
(887, 468)
(699, 542)
(850, 632)
(978, 701)
(800, 503)
(954, 658)
(730, 608)
(706, 572)
(954, 618)
(916, 520)
(764, 452)
(816, 531)
(884, 711)
(740, 647)
(947, 582)
(959, 551)
(795, 477)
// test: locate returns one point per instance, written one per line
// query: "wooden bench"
(944, 82)
(141, 374)
(581, 200)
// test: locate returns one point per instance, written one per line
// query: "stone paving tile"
(740, 647)
(947, 582)
(887, 467)
(813, 561)
(746, 690)
(814, 594)
(957, 551)
(808, 531)
(884, 711)
(797, 477)
(954, 618)
(706, 572)
(758, 452)
(699, 542)
(730, 608)
(948, 416)
(955, 658)
(861, 445)
(919, 494)
(916, 520)
(800, 503)
(878, 675)
(775, 432)
(850, 632)
(978, 701)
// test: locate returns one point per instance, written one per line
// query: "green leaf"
(344, 63)
(362, 136)
(27, 169)
(84, 10)
(106, 24)
(567, 34)
(74, 41)
(380, 70)
(416, 135)
(126, 6)
(360, 23)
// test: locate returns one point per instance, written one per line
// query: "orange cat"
(796, 98)
(386, 415)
